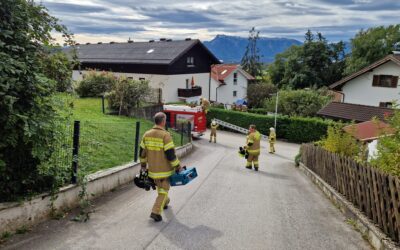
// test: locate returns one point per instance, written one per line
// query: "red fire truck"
(183, 114)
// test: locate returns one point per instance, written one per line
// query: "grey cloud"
(235, 17)
(73, 8)
(175, 15)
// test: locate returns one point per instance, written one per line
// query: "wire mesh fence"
(103, 145)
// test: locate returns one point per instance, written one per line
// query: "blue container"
(183, 178)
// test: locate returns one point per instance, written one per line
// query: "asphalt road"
(226, 207)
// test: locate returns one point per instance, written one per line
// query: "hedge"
(293, 129)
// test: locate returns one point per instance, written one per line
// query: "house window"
(187, 83)
(386, 81)
(190, 61)
(235, 78)
(234, 93)
(386, 104)
(142, 79)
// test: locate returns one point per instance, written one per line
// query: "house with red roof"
(229, 83)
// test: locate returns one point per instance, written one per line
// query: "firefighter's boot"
(248, 165)
(156, 217)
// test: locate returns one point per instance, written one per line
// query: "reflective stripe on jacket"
(158, 150)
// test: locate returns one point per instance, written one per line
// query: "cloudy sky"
(117, 20)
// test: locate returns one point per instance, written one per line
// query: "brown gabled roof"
(369, 130)
(221, 71)
(354, 112)
(394, 58)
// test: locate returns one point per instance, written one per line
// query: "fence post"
(75, 151)
(137, 141)
(189, 134)
(102, 104)
(182, 132)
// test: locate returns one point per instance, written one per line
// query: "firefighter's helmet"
(142, 180)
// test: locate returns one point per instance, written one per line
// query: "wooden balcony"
(196, 91)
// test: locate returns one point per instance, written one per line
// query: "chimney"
(151, 41)
(130, 41)
(163, 39)
(99, 43)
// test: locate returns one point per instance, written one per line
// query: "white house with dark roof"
(367, 93)
(229, 83)
(170, 66)
(376, 85)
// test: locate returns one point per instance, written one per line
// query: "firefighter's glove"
(179, 169)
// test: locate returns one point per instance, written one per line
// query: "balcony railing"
(189, 92)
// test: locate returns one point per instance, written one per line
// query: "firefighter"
(157, 152)
(272, 140)
(205, 104)
(214, 127)
(253, 147)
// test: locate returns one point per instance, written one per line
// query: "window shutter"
(395, 79)
(375, 81)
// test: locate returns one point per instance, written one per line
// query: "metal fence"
(96, 146)
(374, 192)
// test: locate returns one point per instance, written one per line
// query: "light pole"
(276, 108)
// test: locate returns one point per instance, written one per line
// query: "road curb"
(363, 225)
(15, 215)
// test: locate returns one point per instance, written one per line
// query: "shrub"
(388, 157)
(299, 102)
(58, 67)
(127, 94)
(260, 111)
(257, 93)
(28, 115)
(95, 84)
(294, 129)
(340, 142)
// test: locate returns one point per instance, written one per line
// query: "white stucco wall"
(360, 89)
(168, 83)
(225, 92)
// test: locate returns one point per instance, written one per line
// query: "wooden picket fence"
(375, 193)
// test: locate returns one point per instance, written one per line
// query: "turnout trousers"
(213, 134)
(272, 147)
(252, 160)
(162, 199)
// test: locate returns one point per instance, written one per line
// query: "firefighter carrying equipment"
(205, 104)
(157, 151)
(142, 180)
(272, 140)
(253, 147)
(213, 134)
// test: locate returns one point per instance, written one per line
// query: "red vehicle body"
(196, 116)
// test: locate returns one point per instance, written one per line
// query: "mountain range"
(230, 49)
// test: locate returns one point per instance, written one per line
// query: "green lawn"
(106, 140)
